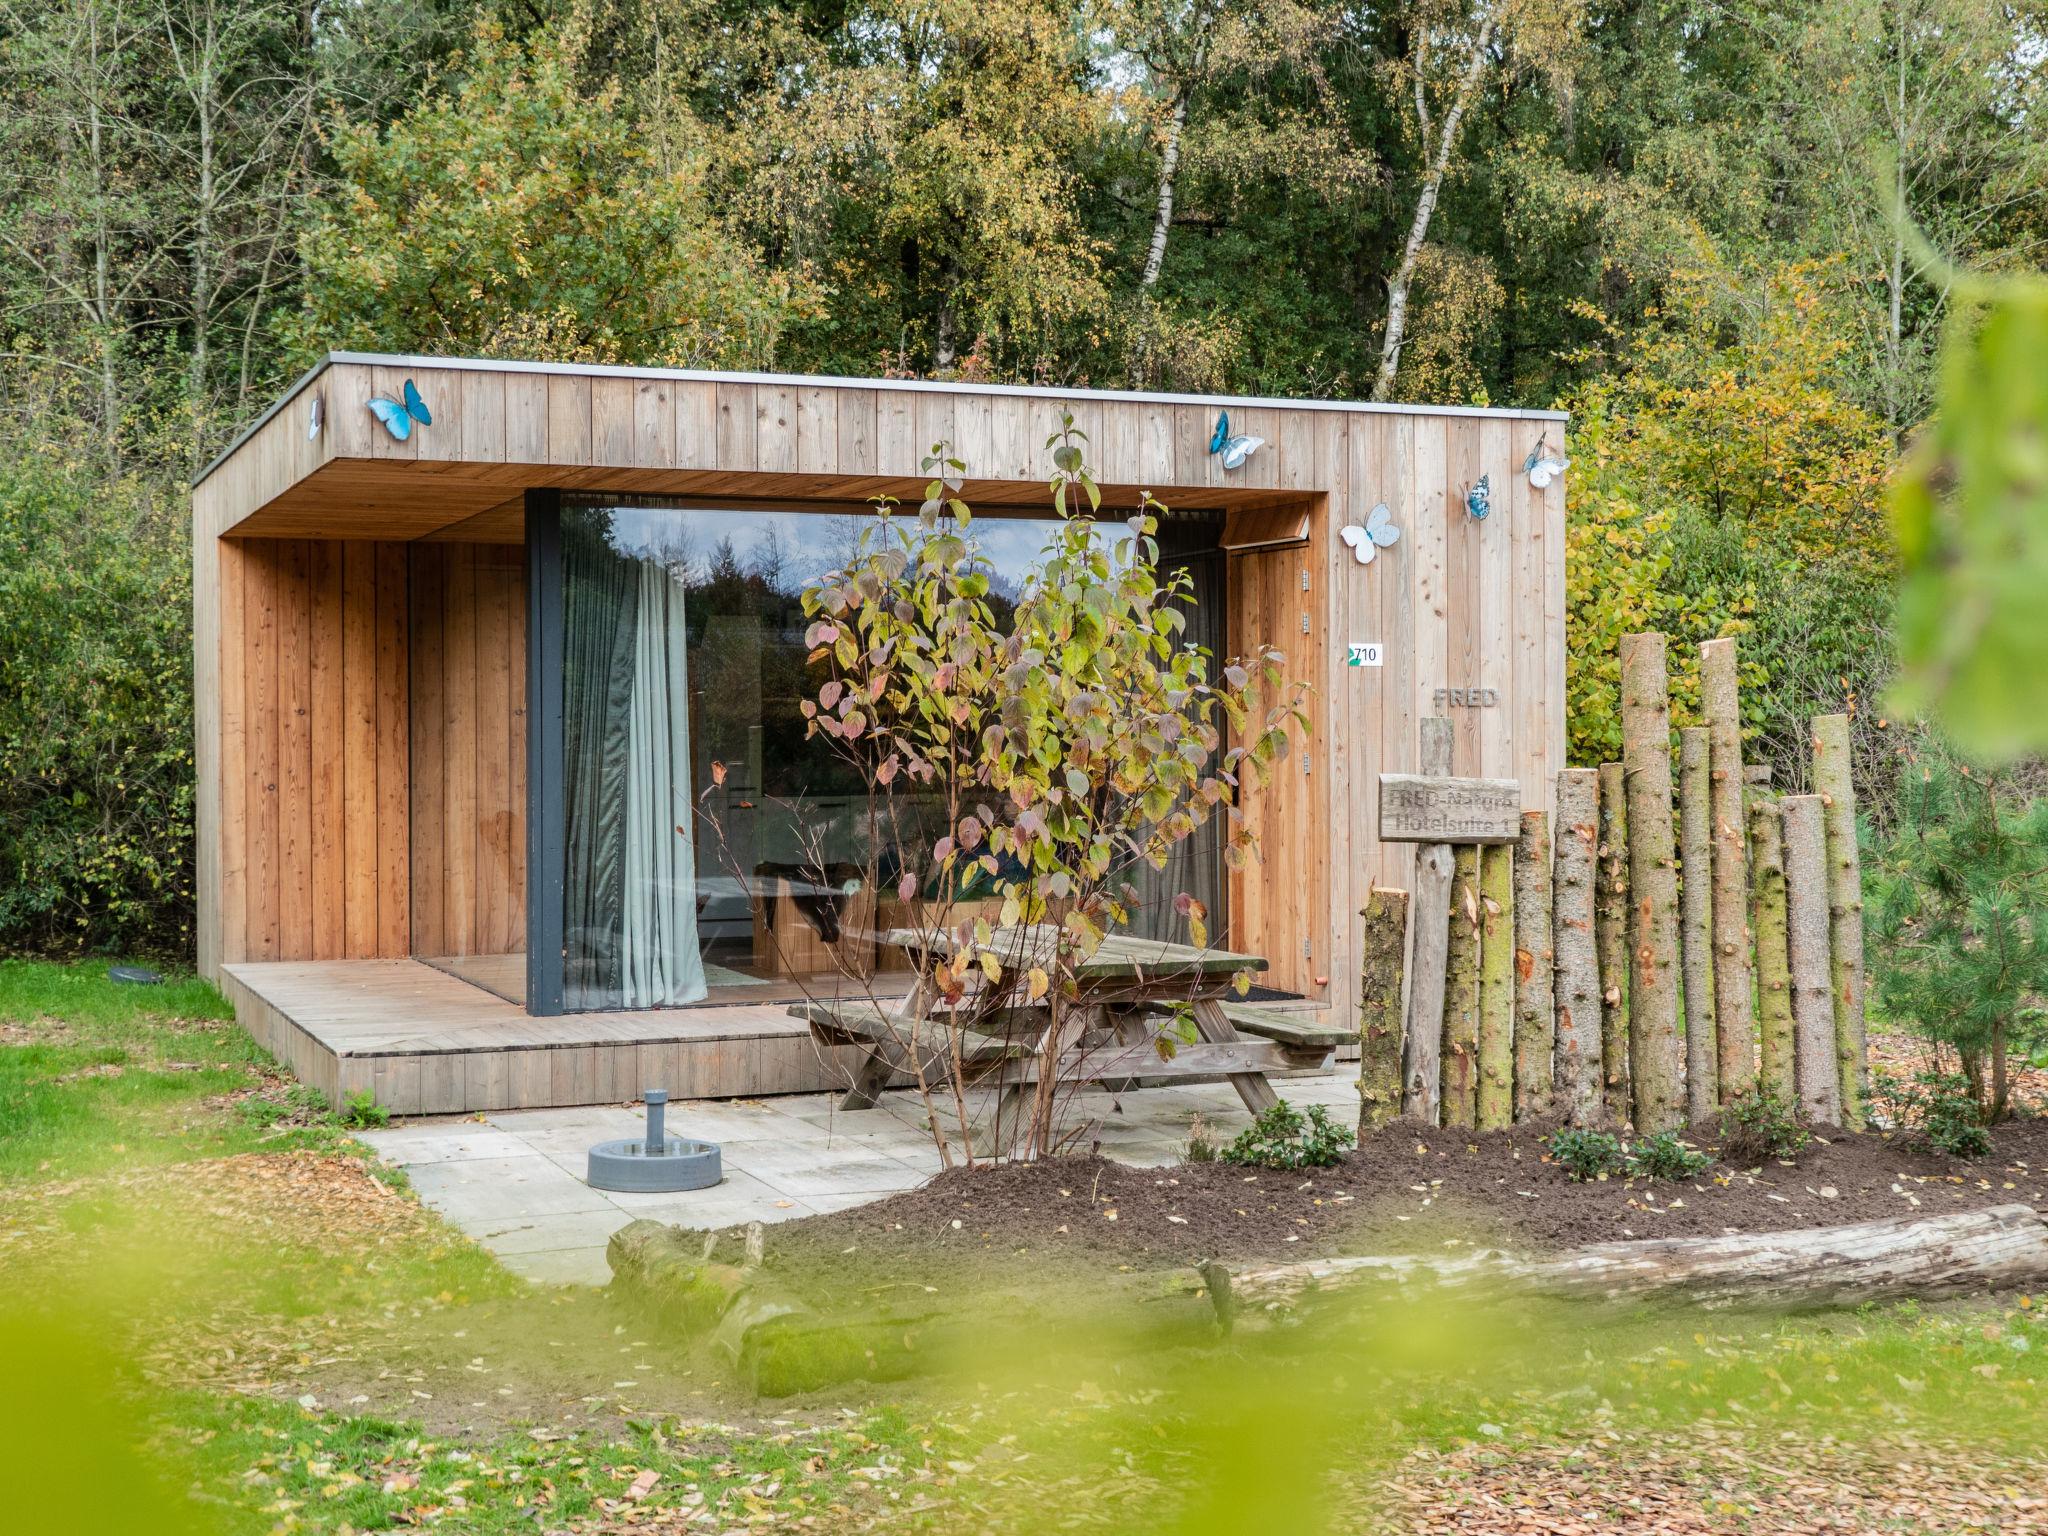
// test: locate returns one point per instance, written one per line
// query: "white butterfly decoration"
(1378, 533)
(1542, 466)
(315, 417)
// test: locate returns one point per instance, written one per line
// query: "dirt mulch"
(1403, 1191)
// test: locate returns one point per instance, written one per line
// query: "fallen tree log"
(2005, 1245)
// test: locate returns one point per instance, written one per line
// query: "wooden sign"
(1429, 808)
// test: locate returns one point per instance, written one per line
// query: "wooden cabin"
(452, 688)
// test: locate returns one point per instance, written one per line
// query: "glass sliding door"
(709, 851)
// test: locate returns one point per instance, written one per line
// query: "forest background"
(1690, 223)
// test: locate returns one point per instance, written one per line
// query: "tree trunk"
(1169, 167)
(1656, 1065)
(1578, 963)
(1610, 932)
(1845, 909)
(1535, 972)
(1496, 986)
(1816, 1068)
(1964, 1252)
(1773, 970)
(1421, 1097)
(1695, 920)
(1461, 991)
(1425, 208)
(1734, 1017)
(1382, 942)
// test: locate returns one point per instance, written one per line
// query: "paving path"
(514, 1180)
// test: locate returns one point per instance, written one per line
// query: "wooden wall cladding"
(468, 749)
(312, 757)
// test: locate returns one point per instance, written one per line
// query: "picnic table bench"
(1130, 992)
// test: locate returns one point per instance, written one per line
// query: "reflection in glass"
(713, 852)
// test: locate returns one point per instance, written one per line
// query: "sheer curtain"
(629, 921)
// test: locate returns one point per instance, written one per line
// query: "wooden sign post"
(1436, 808)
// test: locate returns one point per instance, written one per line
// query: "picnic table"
(1129, 992)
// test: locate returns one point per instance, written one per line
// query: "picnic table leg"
(1214, 1027)
(871, 1077)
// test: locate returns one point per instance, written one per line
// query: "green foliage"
(1664, 1156)
(521, 214)
(1759, 1125)
(96, 793)
(1722, 483)
(1959, 920)
(1586, 1154)
(1285, 1137)
(360, 1111)
(1935, 1110)
(1971, 511)
(1201, 1146)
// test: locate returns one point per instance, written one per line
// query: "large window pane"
(712, 852)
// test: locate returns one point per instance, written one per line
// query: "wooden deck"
(425, 1043)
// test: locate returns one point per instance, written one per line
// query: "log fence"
(1642, 951)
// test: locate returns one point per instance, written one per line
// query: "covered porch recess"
(461, 695)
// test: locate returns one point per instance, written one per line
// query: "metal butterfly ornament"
(1542, 466)
(1479, 500)
(1378, 533)
(316, 417)
(1235, 450)
(398, 418)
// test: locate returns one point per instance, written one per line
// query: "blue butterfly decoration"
(1479, 500)
(398, 418)
(1235, 450)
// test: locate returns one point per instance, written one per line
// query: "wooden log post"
(1656, 1065)
(1610, 934)
(1535, 972)
(1734, 1015)
(1383, 940)
(1578, 1074)
(1695, 924)
(1816, 1068)
(1845, 909)
(1496, 1099)
(1773, 969)
(1429, 933)
(1461, 991)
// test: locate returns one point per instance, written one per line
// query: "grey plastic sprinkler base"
(656, 1163)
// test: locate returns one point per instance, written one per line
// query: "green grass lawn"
(187, 1248)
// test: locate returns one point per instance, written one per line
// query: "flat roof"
(812, 380)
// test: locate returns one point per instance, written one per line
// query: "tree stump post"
(1578, 1073)
(1816, 1068)
(1845, 909)
(1610, 934)
(1773, 968)
(1382, 942)
(1535, 971)
(1429, 933)
(1695, 924)
(1734, 1017)
(1496, 1100)
(1461, 991)
(1656, 1067)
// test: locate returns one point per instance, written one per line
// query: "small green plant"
(1760, 1125)
(1936, 1110)
(360, 1111)
(1283, 1137)
(1201, 1143)
(1586, 1155)
(1664, 1156)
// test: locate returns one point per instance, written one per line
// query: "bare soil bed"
(1406, 1190)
